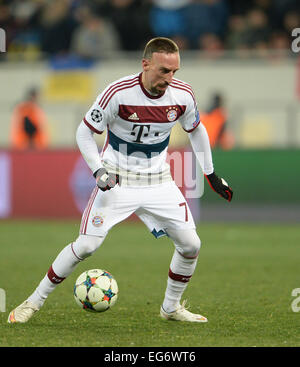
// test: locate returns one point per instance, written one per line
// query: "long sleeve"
(88, 147)
(201, 147)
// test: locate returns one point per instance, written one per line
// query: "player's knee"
(86, 245)
(192, 247)
(186, 242)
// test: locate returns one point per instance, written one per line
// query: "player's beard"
(160, 88)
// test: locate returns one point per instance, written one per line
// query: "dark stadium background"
(70, 50)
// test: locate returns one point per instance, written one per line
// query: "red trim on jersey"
(182, 87)
(118, 90)
(159, 114)
(147, 94)
(92, 127)
(189, 131)
(179, 277)
(54, 278)
(108, 94)
(187, 88)
(183, 84)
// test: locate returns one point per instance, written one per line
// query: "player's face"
(159, 71)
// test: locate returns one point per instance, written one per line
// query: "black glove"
(220, 186)
(106, 181)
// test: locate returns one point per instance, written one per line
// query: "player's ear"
(145, 64)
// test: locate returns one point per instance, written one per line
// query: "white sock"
(181, 270)
(62, 266)
(42, 291)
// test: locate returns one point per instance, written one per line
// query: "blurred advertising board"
(58, 183)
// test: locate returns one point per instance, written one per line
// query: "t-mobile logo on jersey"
(139, 132)
(2, 40)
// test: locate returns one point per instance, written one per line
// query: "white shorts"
(160, 207)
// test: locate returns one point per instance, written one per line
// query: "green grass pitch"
(243, 284)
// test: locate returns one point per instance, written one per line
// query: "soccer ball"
(96, 290)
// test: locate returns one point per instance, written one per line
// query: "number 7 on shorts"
(186, 211)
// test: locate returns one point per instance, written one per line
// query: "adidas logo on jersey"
(134, 116)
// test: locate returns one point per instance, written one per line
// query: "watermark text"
(2, 40)
(2, 300)
(296, 42)
(296, 302)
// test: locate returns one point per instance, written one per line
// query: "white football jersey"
(139, 124)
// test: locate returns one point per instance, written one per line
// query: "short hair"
(160, 44)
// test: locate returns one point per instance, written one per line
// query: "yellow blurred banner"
(75, 86)
(257, 131)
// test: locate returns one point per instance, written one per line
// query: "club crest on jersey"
(96, 116)
(97, 221)
(171, 114)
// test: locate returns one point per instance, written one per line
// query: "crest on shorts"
(97, 221)
(172, 114)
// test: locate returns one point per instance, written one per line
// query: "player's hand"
(105, 180)
(220, 186)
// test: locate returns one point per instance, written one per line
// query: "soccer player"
(132, 175)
